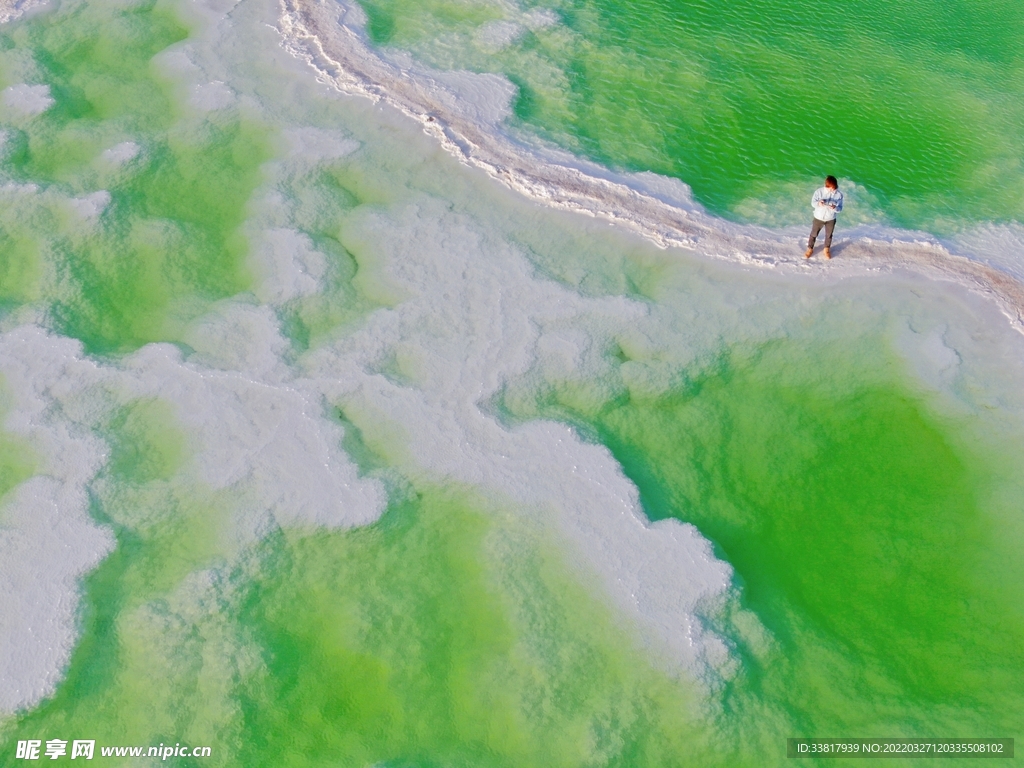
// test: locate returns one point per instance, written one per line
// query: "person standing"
(827, 203)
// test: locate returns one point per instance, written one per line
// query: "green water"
(865, 531)
(169, 243)
(448, 633)
(920, 104)
(454, 639)
(172, 241)
(873, 538)
(880, 595)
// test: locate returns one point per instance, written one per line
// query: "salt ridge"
(264, 440)
(663, 576)
(237, 398)
(329, 36)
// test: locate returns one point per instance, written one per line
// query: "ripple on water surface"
(919, 103)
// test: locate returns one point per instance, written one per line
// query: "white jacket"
(827, 203)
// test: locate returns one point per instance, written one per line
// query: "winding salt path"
(327, 35)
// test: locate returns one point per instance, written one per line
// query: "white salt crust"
(471, 322)
(27, 99)
(464, 111)
(473, 316)
(212, 96)
(469, 325)
(122, 153)
(267, 442)
(15, 9)
(47, 539)
(91, 206)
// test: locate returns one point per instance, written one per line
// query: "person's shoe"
(808, 252)
(828, 252)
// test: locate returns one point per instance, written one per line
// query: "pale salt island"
(438, 384)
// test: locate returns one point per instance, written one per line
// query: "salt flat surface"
(266, 442)
(463, 311)
(330, 36)
(27, 99)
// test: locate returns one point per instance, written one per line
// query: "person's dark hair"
(830, 181)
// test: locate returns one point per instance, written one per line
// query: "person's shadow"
(838, 248)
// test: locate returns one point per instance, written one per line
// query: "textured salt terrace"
(265, 442)
(212, 96)
(47, 538)
(660, 573)
(91, 206)
(121, 153)
(466, 119)
(14, 9)
(472, 314)
(27, 99)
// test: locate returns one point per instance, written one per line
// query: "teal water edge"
(298, 363)
(917, 106)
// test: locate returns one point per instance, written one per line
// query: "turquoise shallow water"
(871, 511)
(917, 105)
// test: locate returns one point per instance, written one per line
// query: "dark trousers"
(816, 228)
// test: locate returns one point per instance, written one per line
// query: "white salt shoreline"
(328, 35)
